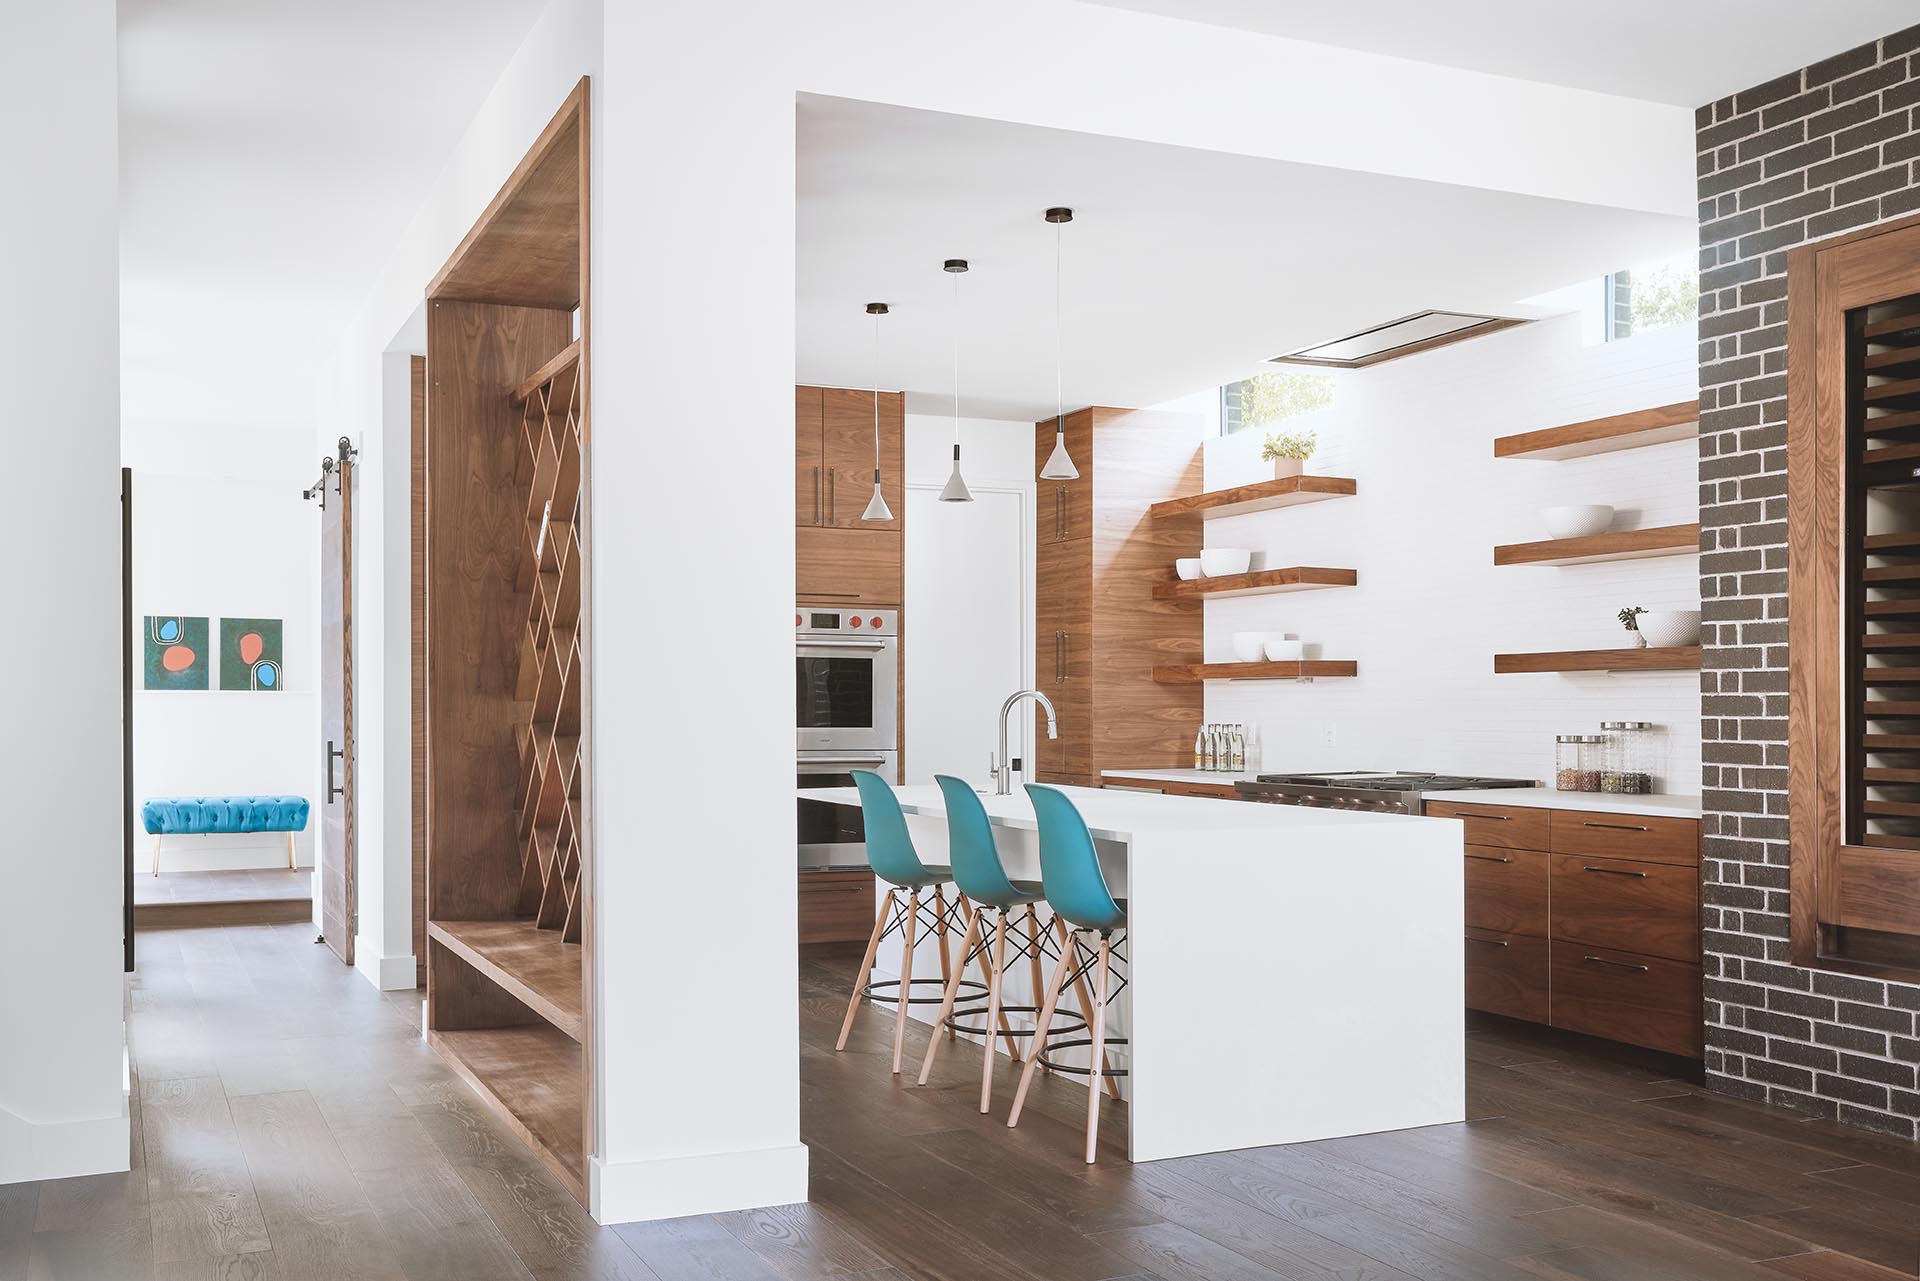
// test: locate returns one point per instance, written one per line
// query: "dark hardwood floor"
(290, 1124)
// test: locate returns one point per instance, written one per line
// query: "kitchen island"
(1293, 973)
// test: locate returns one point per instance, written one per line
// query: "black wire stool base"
(871, 991)
(1074, 1024)
(1053, 1046)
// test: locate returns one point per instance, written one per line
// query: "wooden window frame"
(1853, 907)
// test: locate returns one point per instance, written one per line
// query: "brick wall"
(1828, 148)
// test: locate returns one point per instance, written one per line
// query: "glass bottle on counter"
(1238, 764)
(1578, 760)
(1629, 766)
(1200, 748)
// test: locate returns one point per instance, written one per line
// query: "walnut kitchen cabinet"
(839, 558)
(1098, 629)
(1584, 920)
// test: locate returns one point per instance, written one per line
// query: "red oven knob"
(796, 620)
(876, 622)
(856, 620)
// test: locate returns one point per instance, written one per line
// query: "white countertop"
(1182, 776)
(1660, 805)
(1117, 815)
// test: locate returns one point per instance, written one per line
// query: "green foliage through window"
(1268, 398)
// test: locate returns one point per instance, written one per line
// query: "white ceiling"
(1183, 268)
(1683, 52)
(270, 153)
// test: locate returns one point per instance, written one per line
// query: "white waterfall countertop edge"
(1657, 805)
(1114, 814)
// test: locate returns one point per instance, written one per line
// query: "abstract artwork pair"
(177, 655)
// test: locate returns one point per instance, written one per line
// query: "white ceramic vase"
(1285, 467)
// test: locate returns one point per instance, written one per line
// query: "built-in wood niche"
(509, 904)
(1853, 529)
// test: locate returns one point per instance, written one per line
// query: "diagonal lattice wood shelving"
(549, 677)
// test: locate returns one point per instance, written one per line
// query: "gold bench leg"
(157, 837)
(290, 851)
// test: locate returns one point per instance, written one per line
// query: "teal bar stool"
(891, 854)
(1078, 894)
(982, 879)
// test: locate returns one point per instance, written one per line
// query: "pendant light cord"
(876, 397)
(956, 361)
(1059, 395)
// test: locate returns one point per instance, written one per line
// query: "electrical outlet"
(1329, 737)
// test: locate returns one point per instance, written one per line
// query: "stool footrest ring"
(1070, 1024)
(871, 991)
(1047, 1060)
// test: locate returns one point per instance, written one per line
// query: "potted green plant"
(1288, 452)
(1628, 619)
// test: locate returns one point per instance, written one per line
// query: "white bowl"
(1218, 562)
(1284, 650)
(1665, 628)
(1187, 567)
(1577, 521)
(1251, 647)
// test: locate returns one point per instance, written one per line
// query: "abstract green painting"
(250, 653)
(176, 652)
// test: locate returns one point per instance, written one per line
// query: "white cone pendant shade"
(1059, 462)
(956, 490)
(877, 508)
(1059, 465)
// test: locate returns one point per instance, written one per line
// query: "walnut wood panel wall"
(417, 542)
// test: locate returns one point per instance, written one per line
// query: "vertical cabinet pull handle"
(833, 508)
(1066, 656)
(816, 495)
(334, 754)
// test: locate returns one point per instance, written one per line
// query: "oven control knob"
(856, 620)
(874, 621)
(796, 620)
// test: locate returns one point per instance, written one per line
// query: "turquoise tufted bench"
(175, 815)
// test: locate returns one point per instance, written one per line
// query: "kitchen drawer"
(837, 906)
(1634, 836)
(1506, 890)
(1650, 908)
(1507, 974)
(1168, 787)
(1507, 827)
(1624, 996)
(848, 566)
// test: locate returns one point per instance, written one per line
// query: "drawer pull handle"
(1491, 818)
(1490, 858)
(1618, 965)
(1614, 871)
(1491, 942)
(1619, 827)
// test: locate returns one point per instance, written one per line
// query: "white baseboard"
(388, 973)
(671, 1188)
(63, 1149)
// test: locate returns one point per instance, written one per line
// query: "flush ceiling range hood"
(1421, 331)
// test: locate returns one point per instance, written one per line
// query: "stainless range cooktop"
(1396, 793)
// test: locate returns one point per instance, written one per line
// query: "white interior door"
(967, 637)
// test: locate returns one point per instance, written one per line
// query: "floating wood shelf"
(1627, 544)
(1261, 582)
(1263, 496)
(532, 1077)
(566, 359)
(1605, 435)
(1184, 673)
(534, 965)
(1669, 658)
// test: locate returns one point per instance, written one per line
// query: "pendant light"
(877, 508)
(1059, 463)
(956, 489)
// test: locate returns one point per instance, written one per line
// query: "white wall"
(242, 548)
(1431, 610)
(63, 1106)
(969, 606)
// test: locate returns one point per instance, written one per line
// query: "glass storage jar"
(1629, 765)
(1577, 760)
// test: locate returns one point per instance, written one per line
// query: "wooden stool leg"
(1096, 1054)
(1033, 956)
(946, 958)
(866, 968)
(906, 979)
(1086, 1013)
(290, 851)
(1052, 998)
(157, 838)
(953, 992)
(994, 971)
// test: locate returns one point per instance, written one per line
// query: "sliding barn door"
(337, 907)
